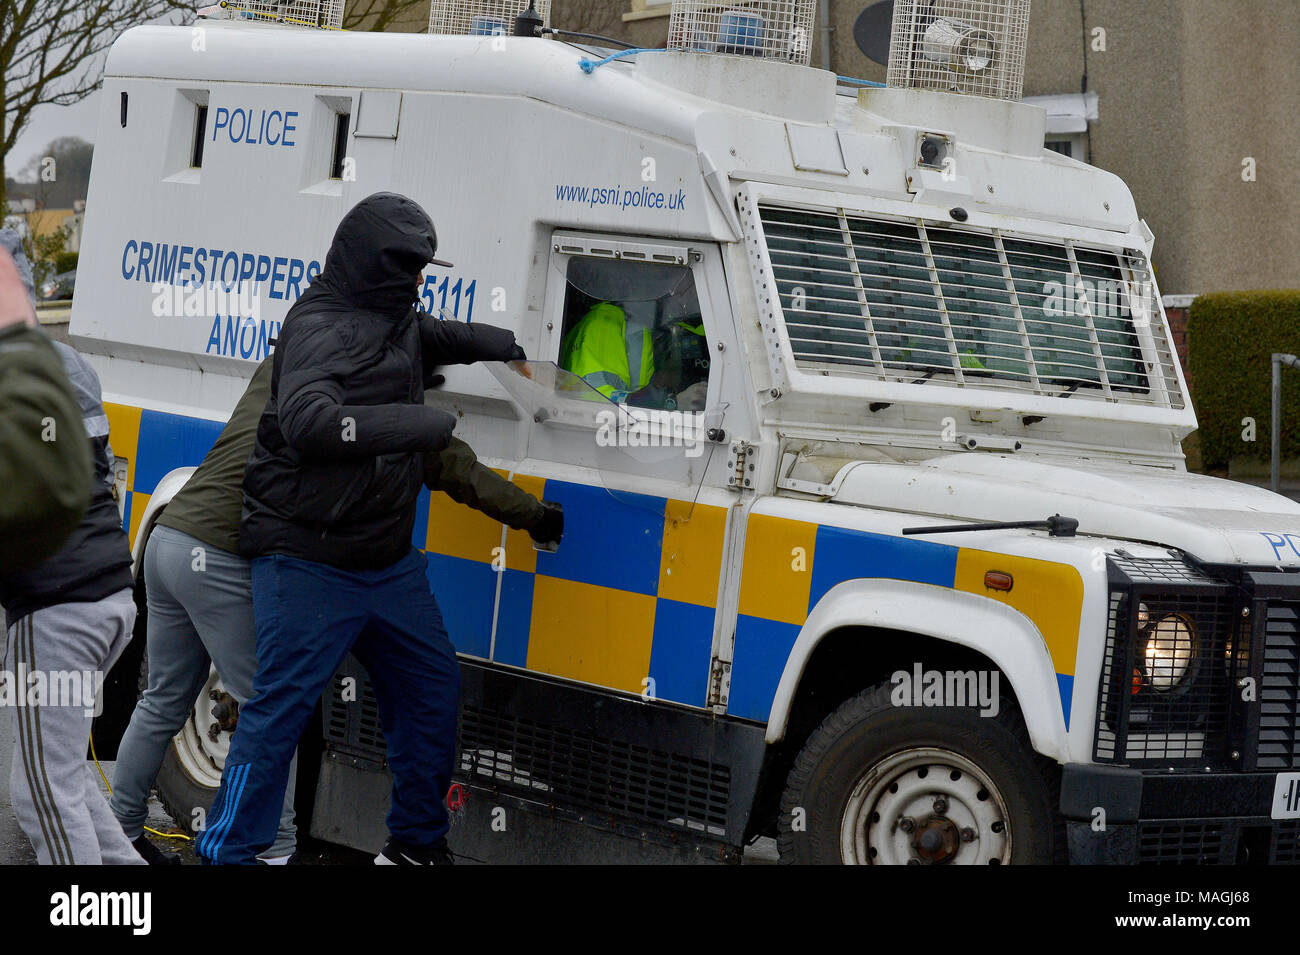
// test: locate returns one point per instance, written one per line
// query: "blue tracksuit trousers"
(308, 617)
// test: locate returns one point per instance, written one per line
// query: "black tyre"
(186, 785)
(181, 794)
(880, 784)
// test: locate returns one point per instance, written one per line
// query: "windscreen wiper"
(1056, 526)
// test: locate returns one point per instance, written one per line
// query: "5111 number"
(435, 296)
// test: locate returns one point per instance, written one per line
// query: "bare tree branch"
(376, 15)
(51, 53)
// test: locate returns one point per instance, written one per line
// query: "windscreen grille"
(906, 300)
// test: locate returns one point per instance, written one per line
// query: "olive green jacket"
(45, 465)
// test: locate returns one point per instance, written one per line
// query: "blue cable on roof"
(587, 66)
(855, 80)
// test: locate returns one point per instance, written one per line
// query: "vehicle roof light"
(321, 14)
(764, 29)
(962, 48)
(975, 47)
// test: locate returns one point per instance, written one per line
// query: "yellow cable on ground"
(165, 835)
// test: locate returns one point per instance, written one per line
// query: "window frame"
(566, 245)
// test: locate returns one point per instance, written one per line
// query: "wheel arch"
(924, 614)
(162, 495)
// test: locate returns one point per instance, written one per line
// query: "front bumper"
(1125, 816)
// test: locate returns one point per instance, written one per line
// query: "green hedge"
(1230, 338)
(65, 262)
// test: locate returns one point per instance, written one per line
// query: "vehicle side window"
(634, 332)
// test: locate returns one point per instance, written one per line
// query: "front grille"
(1164, 570)
(1286, 843)
(906, 300)
(1181, 842)
(1279, 699)
(571, 766)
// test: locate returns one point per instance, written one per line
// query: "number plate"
(1286, 796)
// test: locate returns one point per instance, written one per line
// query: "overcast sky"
(81, 119)
(49, 123)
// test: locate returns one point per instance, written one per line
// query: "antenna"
(530, 22)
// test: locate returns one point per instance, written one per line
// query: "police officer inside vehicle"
(660, 361)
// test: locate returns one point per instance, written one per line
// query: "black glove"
(494, 343)
(432, 379)
(549, 528)
(517, 354)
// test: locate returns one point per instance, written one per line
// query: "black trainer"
(152, 854)
(402, 853)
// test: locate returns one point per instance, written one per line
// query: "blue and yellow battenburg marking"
(629, 597)
(790, 565)
(632, 593)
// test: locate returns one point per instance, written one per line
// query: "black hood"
(379, 250)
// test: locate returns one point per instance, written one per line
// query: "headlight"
(1171, 646)
(958, 46)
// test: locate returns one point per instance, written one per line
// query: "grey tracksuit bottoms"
(69, 649)
(200, 614)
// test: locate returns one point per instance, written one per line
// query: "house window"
(1071, 145)
(645, 9)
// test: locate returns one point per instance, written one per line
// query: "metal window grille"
(975, 47)
(908, 300)
(322, 14)
(766, 29)
(481, 17)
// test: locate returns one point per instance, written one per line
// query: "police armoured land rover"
(893, 557)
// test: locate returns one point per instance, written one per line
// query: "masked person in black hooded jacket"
(329, 507)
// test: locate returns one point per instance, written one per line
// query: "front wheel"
(879, 784)
(191, 769)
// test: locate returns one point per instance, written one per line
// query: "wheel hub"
(202, 743)
(925, 806)
(935, 840)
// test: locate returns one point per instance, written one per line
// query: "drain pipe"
(824, 15)
(1279, 360)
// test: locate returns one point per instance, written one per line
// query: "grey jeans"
(67, 650)
(200, 612)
